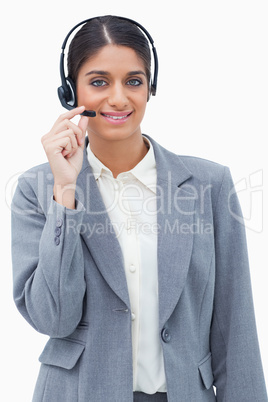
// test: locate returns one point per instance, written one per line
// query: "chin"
(114, 134)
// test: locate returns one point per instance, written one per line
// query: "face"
(113, 83)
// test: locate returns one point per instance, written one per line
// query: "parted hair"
(102, 31)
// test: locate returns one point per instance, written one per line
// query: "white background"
(212, 102)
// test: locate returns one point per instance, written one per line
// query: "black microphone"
(89, 113)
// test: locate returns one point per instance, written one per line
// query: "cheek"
(82, 99)
(85, 97)
(142, 102)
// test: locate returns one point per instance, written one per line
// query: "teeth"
(115, 117)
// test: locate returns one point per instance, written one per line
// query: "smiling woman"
(135, 262)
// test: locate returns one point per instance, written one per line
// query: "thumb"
(83, 122)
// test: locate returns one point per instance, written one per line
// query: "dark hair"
(101, 31)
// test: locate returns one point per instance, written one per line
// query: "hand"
(64, 145)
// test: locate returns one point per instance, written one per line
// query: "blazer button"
(59, 223)
(58, 231)
(57, 241)
(166, 335)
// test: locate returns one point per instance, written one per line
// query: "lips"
(117, 117)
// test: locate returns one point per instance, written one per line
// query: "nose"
(117, 96)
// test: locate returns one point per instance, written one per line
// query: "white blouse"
(130, 200)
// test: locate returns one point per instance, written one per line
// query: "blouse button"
(116, 186)
(132, 268)
(133, 316)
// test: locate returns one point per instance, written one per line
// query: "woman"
(133, 263)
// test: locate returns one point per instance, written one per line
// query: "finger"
(69, 133)
(67, 153)
(66, 147)
(65, 124)
(71, 114)
(83, 123)
(61, 145)
(49, 143)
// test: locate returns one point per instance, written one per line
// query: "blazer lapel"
(175, 206)
(98, 234)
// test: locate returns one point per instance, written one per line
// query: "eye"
(98, 83)
(134, 82)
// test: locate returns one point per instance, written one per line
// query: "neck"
(119, 155)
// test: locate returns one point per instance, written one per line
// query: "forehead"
(114, 58)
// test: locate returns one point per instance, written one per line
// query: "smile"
(116, 117)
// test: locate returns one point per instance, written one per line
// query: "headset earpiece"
(71, 92)
(153, 90)
(67, 94)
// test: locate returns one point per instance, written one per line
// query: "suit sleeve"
(236, 360)
(48, 266)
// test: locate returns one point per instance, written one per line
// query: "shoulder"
(204, 169)
(35, 186)
(199, 169)
(43, 169)
(207, 174)
(210, 177)
(37, 174)
(193, 173)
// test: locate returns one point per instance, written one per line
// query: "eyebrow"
(101, 72)
(97, 72)
(137, 72)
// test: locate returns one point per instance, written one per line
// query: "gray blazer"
(69, 283)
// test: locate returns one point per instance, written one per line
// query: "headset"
(67, 90)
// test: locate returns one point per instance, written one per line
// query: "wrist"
(65, 194)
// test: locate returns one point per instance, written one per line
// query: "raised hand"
(64, 145)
